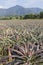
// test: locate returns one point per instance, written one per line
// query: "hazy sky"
(24, 3)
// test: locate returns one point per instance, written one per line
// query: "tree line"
(34, 16)
(27, 16)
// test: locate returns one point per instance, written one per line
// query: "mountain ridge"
(19, 10)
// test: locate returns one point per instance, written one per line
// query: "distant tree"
(21, 17)
(16, 17)
(32, 16)
(26, 17)
(10, 17)
(36, 16)
(41, 14)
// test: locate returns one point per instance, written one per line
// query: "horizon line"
(20, 6)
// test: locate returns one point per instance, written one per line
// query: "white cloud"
(33, 3)
(7, 3)
(2, 7)
(24, 3)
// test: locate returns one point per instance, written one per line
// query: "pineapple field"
(21, 42)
